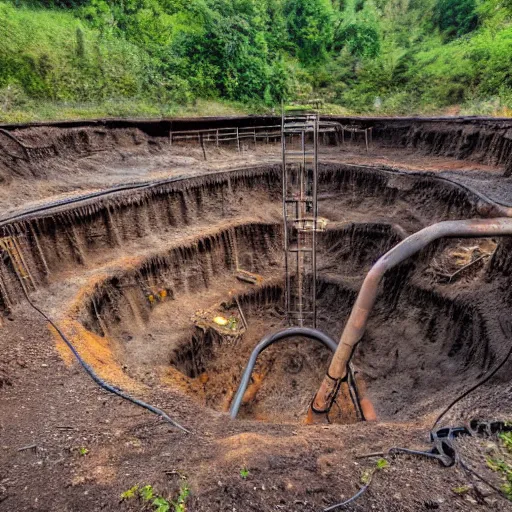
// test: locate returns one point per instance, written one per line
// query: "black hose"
(268, 340)
(98, 380)
(408, 451)
(127, 187)
(471, 389)
(358, 494)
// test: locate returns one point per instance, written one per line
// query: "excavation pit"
(427, 333)
(201, 242)
(135, 274)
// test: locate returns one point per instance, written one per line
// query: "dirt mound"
(27, 152)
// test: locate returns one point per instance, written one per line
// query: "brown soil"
(134, 279)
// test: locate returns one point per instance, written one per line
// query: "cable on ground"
(98, 380)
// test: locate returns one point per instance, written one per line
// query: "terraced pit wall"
(77, 236)
(483, 140)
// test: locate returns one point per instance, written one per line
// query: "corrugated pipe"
(356, 324)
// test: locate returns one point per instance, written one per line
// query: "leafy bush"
(456, 17)
(360, 39)
(309, 24)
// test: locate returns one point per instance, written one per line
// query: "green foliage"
(503, 465)
(130, 493)
(244, 473)
(506, 438)
(37, 56)
(361, 40)
(180, 505)
(88, 58)
(382, 464)
(146, 494)
(161, 505)
(463, 489)
(505, 469)
(456, 17)
(310, 28)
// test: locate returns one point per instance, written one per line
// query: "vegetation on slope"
(76, 58)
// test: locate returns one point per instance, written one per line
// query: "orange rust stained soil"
(95, 350)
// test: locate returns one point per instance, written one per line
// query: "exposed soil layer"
(61, 159)
(135, 276)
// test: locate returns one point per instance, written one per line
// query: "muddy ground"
(128, 290)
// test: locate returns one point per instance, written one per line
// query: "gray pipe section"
(268, 340)
(356, 324)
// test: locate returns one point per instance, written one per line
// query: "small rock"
(471, 500)
(491, 448)
(483, 490)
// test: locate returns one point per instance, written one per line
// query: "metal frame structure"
(267, 133)
(221, 135)
(300, 213)
(368, 133)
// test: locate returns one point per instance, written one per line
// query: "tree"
(456, 17)
(361, 39)
(310, 28)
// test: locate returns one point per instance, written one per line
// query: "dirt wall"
(89, 233)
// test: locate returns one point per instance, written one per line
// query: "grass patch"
(503, 464)
(147, 496)
(57, 111)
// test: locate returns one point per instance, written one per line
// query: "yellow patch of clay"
(173, 378)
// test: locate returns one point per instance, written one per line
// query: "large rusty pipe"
(356, 324)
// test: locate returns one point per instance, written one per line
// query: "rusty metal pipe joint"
(357, 321)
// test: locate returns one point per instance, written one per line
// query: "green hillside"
(62, 59)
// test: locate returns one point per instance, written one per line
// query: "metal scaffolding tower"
(300, 212)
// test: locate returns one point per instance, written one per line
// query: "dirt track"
(96, 266)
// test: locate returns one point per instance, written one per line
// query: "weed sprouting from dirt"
(244, 473)
(462, 489)
(130, 493)
(503, 464)
(147, 495)
(368, 473)
(382, 464)
(180, 505)
(506, 437)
